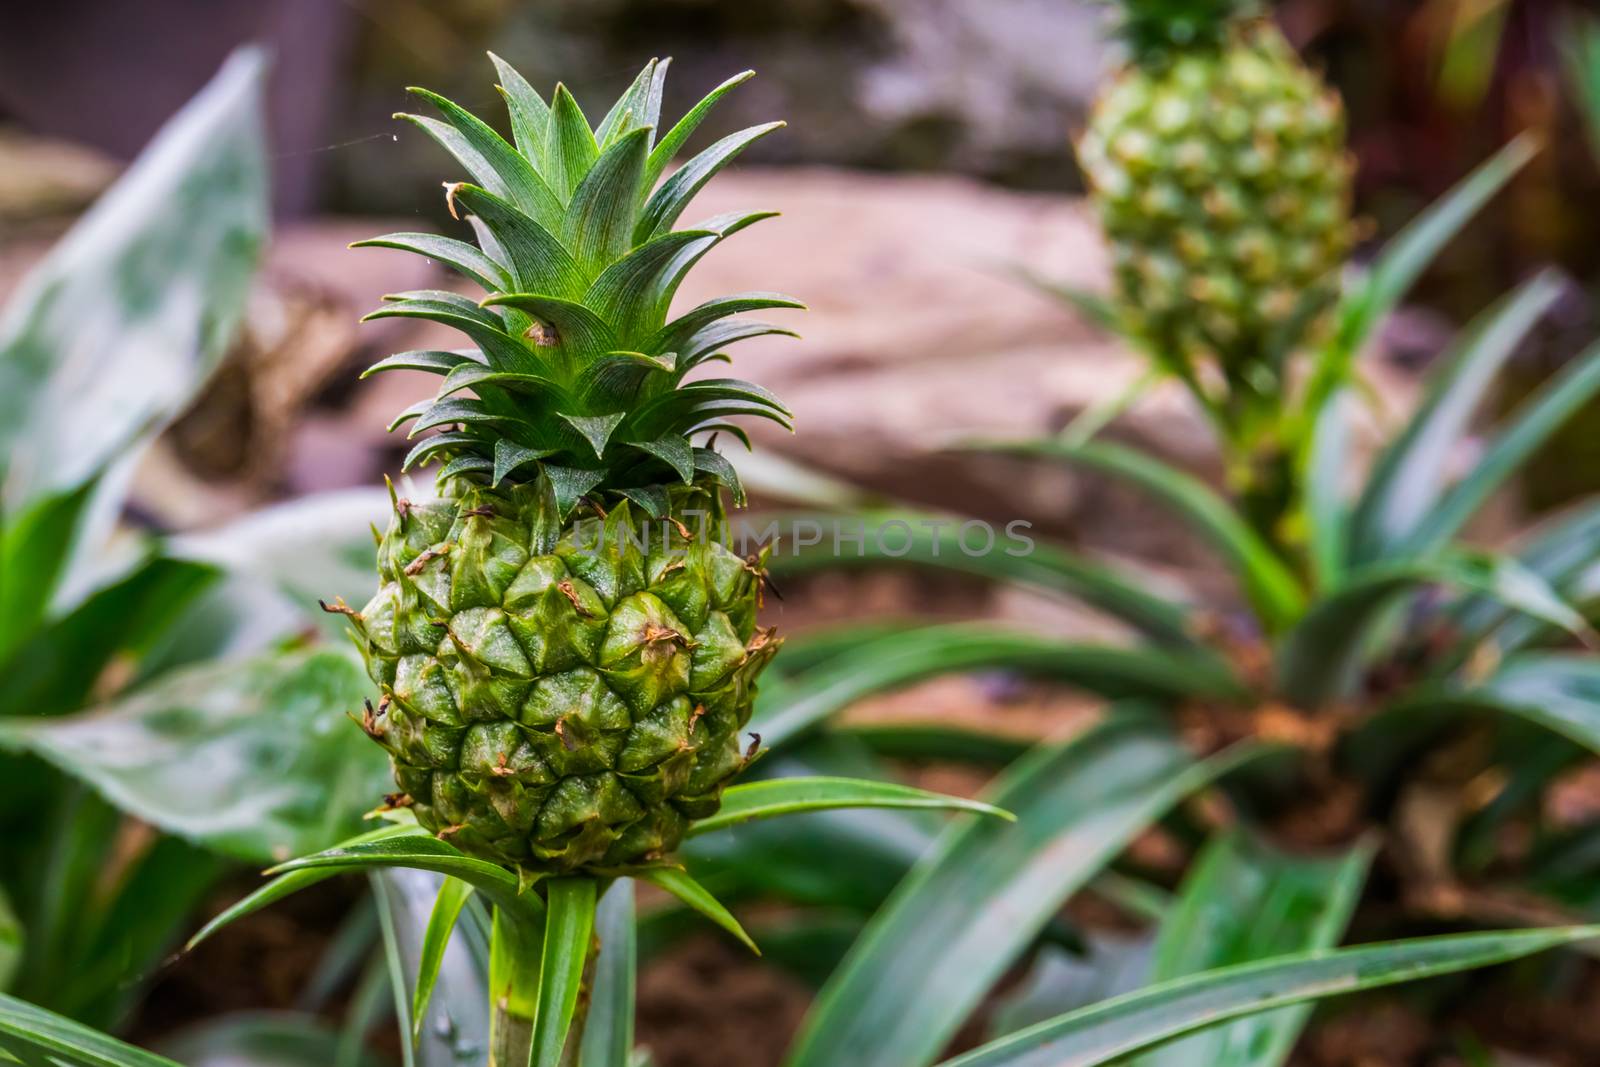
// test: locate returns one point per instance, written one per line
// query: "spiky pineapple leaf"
(1409, 476)
(786, 796)
(661, 211)
(530, 115)
(676, 880)
(286, 885)
(1244, 900)
(789, 708)
(1402, 261)
(37, 1036)
(570, 149)
(538, 260)
(424, 853)
(1272, 588)
(495, 164)
(438, 362)
(1531, 425)
(601, 215)
(630, 110)
(674, 139)
(1102, 1033)
(990, 887)
(467, 260)
(1320, 658)
(1558, 691)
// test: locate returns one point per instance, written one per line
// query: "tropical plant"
(163, 725)
(1382, 683)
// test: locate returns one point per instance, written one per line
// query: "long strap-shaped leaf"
(1404, 259)
(964, 914)
(1534, 422)
(1134, 1021)
(1244, 901)
(608, 1031)
(917, 538)
(788, 710)
(31, 1031)
(568, 925)
(1409, 474)
(1274, 591)
(785, 796)
(1556, 690)
(1319, 659)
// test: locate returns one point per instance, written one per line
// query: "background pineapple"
(1217, 163)
(566, 648)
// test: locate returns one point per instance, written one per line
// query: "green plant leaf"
(674, 139)
(115, 330)
(661, 211)
(938, 742)
(847, 859)
(1581, 55)
(36, 546)
(1559, 691)
(569, 922)
(255, 758)
(452, 897)
(1321, 658)
(1562, 553)
(282, 559)
(1410, 473)
(1404, 258)
(454, 1026)
(1134, 1021)
(57, 666)
(1244, 900)
(262, 1039)
(608, 1031)
(965, 913)
(1531, 425)
(1271, 586)
(676, 881)
(12, 940)
(791, 707)
(286, 885)
(1323, 490)
(786, 796)
(39, 1036)
(895, 538)
(425, 853)
(463, 258)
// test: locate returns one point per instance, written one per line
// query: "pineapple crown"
(576, 374)
(1155, 29)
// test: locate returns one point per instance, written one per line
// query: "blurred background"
(926, 162)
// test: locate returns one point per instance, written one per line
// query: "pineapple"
(1218, 166)
(565, 644)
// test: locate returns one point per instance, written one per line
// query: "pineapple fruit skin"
(560, 697)
(1223, 184)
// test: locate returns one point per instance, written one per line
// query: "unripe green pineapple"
(565, 644)
(1218, 165)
